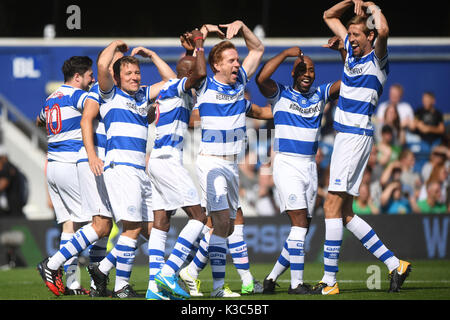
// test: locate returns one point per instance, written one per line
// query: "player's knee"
(102, 226)
(161, 221)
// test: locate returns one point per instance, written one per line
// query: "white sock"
(334, 229)
(72, 244)
(183, 246)
(218, 255)
(369, 239)
(281, 265)
(201, 258)
(126, 252)
(156, 249)
(296, 244)
(238, 250)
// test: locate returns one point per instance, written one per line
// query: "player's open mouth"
(306, 82)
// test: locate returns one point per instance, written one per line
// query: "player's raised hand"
(232, 28)
(294, 52)
(186, 42)
(359, 7)
(211, 28)
(121, 46)
(195, 35)
(334, 43)
(143, 52)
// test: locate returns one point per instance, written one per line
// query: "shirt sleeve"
(78, 98)
(107, 96)
(274, 99)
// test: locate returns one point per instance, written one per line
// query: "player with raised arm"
(223, 108)
(297, 112)
(94, 198)
(61, 115)
(365, 73)
(172, 186)
(125, 112)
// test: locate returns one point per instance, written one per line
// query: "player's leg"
(217, 250)
(156, 250)
(190, 273)
(239, 254)
(398, 269)
(186, 239)
(333, 239)
(295, 246)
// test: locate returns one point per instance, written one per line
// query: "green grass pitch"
(429, 280)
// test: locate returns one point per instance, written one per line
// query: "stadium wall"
(410, 237)
(31, 68)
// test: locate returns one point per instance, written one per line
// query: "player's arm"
(90, 112)
(165, 71)
(261, 113)
(332, 17)
(381, 25)
(105, 79)
(194, 120)
(39, 122)
(199, 73)
(266, 85)
(337, 43)
(334, 90)
(40, 118)
(206, 29)
(254, 45)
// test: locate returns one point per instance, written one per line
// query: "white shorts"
(172, 187)
(64, 191)
(348, 162)
(219, 183)
(94, 197)
(295, 180)
(130, 193)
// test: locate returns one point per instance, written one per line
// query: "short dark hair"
(124, 60)
(215, 54)
(76, 64)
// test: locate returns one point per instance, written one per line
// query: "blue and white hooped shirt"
(126, 126)
(362, 84)
(174, 105)
(223, 110)
(297, 118)
(62, 114)
(98, 127)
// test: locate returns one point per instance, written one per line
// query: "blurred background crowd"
(407, 171)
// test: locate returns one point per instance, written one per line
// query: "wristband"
(199, 49)
(198, 38)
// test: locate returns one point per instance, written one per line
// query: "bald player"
(172, 186)
(297, 112)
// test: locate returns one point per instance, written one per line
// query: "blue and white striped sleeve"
(78, 98)
(276, 96)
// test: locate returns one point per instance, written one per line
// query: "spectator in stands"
(438, 157)
(393, 200)
(363, 204)
(428, 122)
(409, 179)
(404, 109)
(387, 151)
(392, 118)
(432, 204)
(13, 184)
(439, 174)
